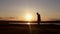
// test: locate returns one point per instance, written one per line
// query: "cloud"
(8, 18)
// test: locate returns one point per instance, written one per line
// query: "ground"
(29, 29)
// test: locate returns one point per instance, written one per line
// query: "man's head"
(37, 13)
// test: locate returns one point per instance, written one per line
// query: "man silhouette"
(38, 18)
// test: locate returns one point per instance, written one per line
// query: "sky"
(18, 9)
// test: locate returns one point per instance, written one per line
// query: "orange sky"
(49, 9)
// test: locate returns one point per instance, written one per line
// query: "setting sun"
(28, 17)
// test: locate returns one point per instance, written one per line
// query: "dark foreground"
(29, 29)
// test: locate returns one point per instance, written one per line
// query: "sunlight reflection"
(36, 23)
(28, 23)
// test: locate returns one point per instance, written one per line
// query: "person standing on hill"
(38, 18)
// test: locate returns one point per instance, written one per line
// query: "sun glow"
(28, 17)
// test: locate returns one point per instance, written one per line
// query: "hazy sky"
(49, 9)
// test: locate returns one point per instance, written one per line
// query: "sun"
(28, 17)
